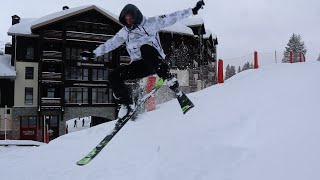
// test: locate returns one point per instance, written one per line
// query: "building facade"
(53, 84)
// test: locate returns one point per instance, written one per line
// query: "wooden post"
(151, 102)
(256, 64)
(220, 71)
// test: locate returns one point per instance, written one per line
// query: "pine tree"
(230, 71)
(296, 45)
(246, 66)
(227, 76)
(233, 71)
(251, 66)
(319, 58)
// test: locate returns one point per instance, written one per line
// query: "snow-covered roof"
(208, 34)
(179, 28)
(25, 25)
(6, 70)
(193, 21)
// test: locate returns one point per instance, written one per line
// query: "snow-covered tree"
(227, 76)
(296, 45)
(246, 66)
(319, 58)
(233, 71)
(230, 71)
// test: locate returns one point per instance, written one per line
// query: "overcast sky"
(242, 26)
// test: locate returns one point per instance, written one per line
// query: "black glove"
(87, 55)
(198, 6)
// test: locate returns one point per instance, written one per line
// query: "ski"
(185, 104)
(184, 101)
(119, 124)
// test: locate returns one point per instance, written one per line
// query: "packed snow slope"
(259, 125)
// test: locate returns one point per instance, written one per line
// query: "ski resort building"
(49, 82)
(7, 77)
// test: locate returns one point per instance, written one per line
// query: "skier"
(143, 45)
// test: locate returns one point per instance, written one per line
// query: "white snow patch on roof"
(193, 21)
(25, 25)
(178, 28)
(6, 70)
(208, 34)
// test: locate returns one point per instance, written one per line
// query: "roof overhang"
(71, 12)
(24, 35)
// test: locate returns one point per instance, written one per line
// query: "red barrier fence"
(151, 103)
(220, 71)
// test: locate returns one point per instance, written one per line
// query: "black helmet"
(133, 11)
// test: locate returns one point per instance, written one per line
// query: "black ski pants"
(151, 63)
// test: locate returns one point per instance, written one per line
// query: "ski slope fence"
(255, 60)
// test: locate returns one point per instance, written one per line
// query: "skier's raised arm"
(163, 21)
(112, 43)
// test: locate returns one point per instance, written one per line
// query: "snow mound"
(259, 125)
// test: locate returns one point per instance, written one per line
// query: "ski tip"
(84, 161)
(80, 164)
(187, 108)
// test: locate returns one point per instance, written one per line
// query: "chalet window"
(105, 58)
(100, 74)
(77, 74)
(30, 52)
(75, 95)
(28, 96)
(51, 92)
(29, 72)
(28, 121)
(53, 122)
(74, 54)
(101, 95)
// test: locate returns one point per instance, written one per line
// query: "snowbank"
(20, 143)
(78, 124)
(259, 125)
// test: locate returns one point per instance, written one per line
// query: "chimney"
(8, 49)
(65, 8)
(15, 19)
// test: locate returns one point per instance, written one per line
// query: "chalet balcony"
(86, 37)
(51, 103)
(51, 77)
(53, 35)
(52, 56)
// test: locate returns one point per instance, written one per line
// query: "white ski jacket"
(145, 33)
